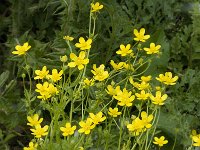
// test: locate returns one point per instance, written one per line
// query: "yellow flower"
(140, 35)
(96, 119)
(63, 58)
(113, 91)
(68, 130)
(52, 89)
(124, 50)
(88, 82)
(86, 126)
(41, 74)
(32, 146)
(142, 86)
(146, 119)
(158, 99)
(99, 73)
(68, 38)
(142, 95)
(124, 98)
(113, 112)
(196, 140)
(153, 49)
(34, 120)
(136, 126)
(38, 132)
(96, 7)
(160, 141)
(78, 61)
(55, 75)
(21, 50)
(84, 45)
(46, 90)
(167, 78)
(117, 66)
(146, 78)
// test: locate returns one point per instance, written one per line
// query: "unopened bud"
(63, 58)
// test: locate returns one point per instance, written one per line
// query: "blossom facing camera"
(96, 7)
(153, 49)
(34, 120)
(31, 146)
(160, 141)
(140, 37)
(68, 129)
(21, 50)
(83, 44)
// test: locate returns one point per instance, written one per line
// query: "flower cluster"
(140, 125)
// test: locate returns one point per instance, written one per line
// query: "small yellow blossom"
(140, 35)
(142, 95)
(160, 141)
(99, 73)
(113, 91)
(196, 140)
(68, 38)
(114, 112)
(88, 82)
(117, 66)
(34, 120)
(153, 49)
(41, 74)
(55, 75)
(63, 58)
(96, 7)
(167, 78)
(158, 99)
(86, 126)
(84, 45)
(124, 98)
(38, 132)
(146, 119)
(32, 146)
(52, 90)
(78, 61)
(158, 88)
(96, 119)
(68, 129)
(141, 86)
(146, 78)
(124, 50)
(21, 50)
(136, 126)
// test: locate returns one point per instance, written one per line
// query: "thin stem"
(121, 125)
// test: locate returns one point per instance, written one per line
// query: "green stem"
(121, 125)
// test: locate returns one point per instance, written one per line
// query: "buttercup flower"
(32, 146)
(124, 50)
(68, 129)
(34, 120)
(21, 50)
(78, 61)
(196, 140)
(113, 91)
(114, 112)
(84, 45)
(96, 119)
(160, 141)
(99, 73)
(140, 35)
(136, 126)
(124, 98)
(86, 126)
(146, 119)
(153, 49)
(158, 99)
(41, 74)
(146, 78)
(88, 82)
(55, 75)
(38, 132)
(96, 7)
(117, 66)
(167, 78)
(68, 38)
(142, 95)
